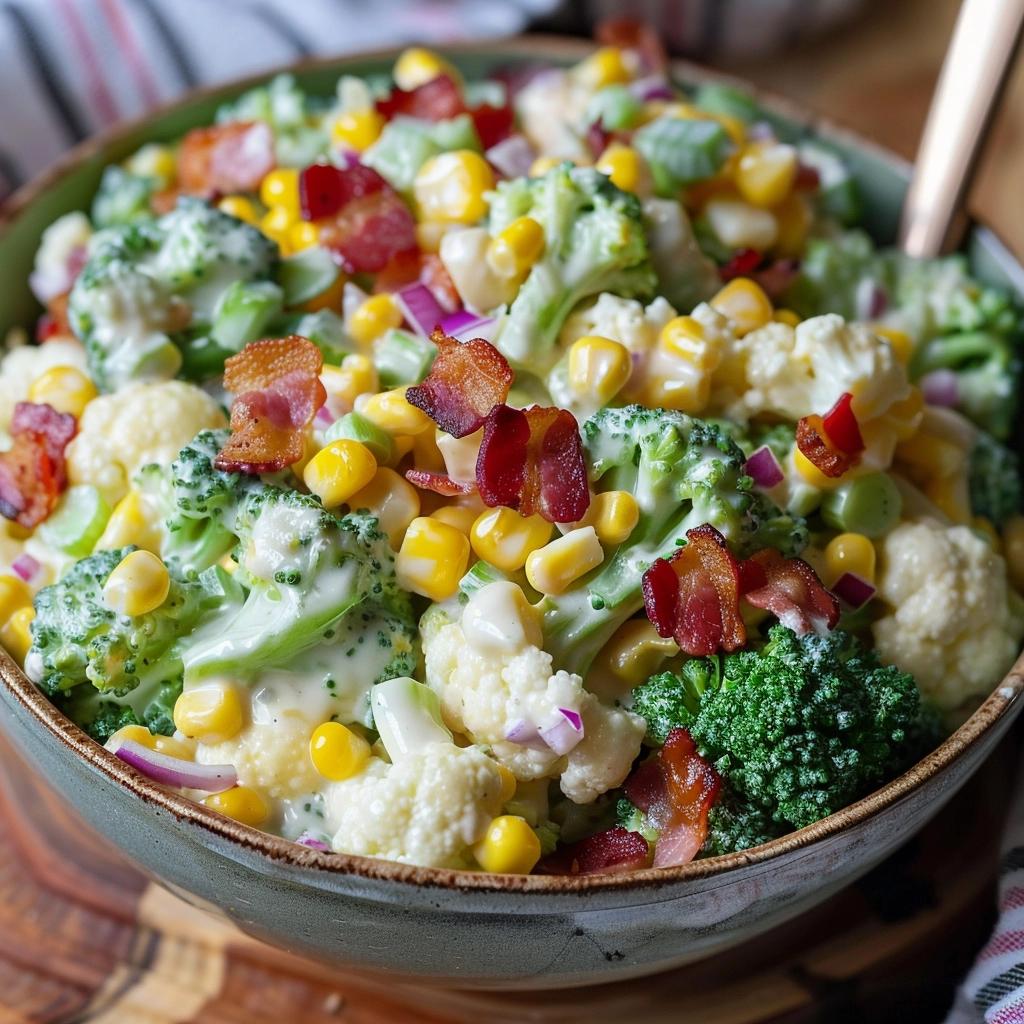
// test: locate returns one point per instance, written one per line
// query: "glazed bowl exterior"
(460, 928)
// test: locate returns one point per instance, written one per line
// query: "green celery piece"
(243, 313)
(77, 522)
(357, 427)
(682, 151)
(407, 714)
(306, 275)
(407, 143)
(615, 108)
(402, 357)
(719, 98)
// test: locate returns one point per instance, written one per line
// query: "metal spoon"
(973, 75)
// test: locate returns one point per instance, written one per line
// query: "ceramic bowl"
(450, 927)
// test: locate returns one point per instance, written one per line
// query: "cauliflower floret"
(22, 365)
(551, 109)
(626, 321)
(67, 235)
(428, 809)
(953, 622)
(602, 760)
(143, 423)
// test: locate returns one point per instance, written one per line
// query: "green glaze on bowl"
(450, 927)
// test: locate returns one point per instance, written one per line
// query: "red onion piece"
(524, 733)
(174, 771)
(761, 131)
(324, 417)
(852, 590)
(512, 157)
(308, 839)
(420, 307)
(26, 567)
(564, 733)
(465, 325)
(654, 87)
(764, 468)
(940, 387)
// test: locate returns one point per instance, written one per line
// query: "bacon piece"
(611, 852)
(436, 100)
(325, 189)
(675, 789)
(532, 460)
(841, 426)
(790, 589)
(743, 263)
(233, 157)
(369, 231)
(439, 483)
(636, 35)
(277, 391)
(32, 470)
(814, 446)
(467, 380)
(694, 595)
(493, 123)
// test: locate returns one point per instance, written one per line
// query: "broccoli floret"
(669, 700)
(148, 296)
(101, 715)
(122, 197)
(683, 473)
(733, 825)
(994, 480)
(595, 242)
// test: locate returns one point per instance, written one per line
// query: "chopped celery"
(306, 275)
(77, 521)
(870, 505)
(407, 714)
(407, 143)
(481, 574)
(243, 313)
(614, 108)
(838, 195)
(357, 427)
(719, 98)
(403, 358)
(681, 151)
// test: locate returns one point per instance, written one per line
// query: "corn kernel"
(16, 635)
(344, 384)
(417, 66)
(850, 552)
(901, 342)
(66, 388)
(765, 172)
(276, 223)
(635, 652)
(390, 411)
(433, 559)
(280, 188)
(906, 415)
(375, 316)
(340, 470)
(169, 745)
(606, 66)
(392, 499)
(138, 585)
(239, 207)
(451, 187)
(613, 515)
(14, 595)
(154, 161)
(508, 784)
(1013, 551)
(130, 523)
(556, 566)
(787, 317)
(357, 129)
(598, 368)
(951, 495)
(685, 338)
(517, 248)
(509, 847)
(337, 753)
(241, 803)
(793, 219)
(812, 475)
(687, 393)
(744, 302)
(506, 539)
(303, 234)
(740, 225)
(460, 516)
(928, 457)
(542, 165)
(625, 167)
(211, 713)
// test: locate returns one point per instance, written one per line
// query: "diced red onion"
(761, 131)
(420, 308)
(524, 733)
(870, 299)
(941, 387)
(26, 567)
(324, 417)
(174, 771)
(512, 157)
(465, 325)
(310, 840)
(764, 468)
(852, 590)
(654, 87)
(564, 733)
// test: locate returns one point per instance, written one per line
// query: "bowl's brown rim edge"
(280, 850)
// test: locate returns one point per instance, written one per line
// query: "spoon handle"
(973, 74)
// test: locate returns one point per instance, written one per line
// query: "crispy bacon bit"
(694, 595)
(370, 230)
(32, 470)
(492, 123)
(439, 483)
(532, 460)
(790, 589)
(612, 852)
(743, 263)
(636, 35)
(813, 445)
(277, 391)
(232, 157)
(467, 380)
(436, 100)
(675, 789)
(841, 426)
(324, 189)
(807, 178)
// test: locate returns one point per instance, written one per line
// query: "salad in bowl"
(538, 474)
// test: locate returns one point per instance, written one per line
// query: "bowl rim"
(284, 852)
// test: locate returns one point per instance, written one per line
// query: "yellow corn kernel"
(508, 784)
(403, 445)
(130, 523)
(951, 495)
(787, 317)
(460, 516)
(517, 248)
(168, 745)
(138, 585)
(542, 165)
(340, 470)
(556, 566)
(390, 411)
(793, 218)
(433, 558)
(850, 552)
(16, 635)
(14, 595)
(625, 167)
(613, 515)
(812, 475)
(276, 223)
(635, 652)
(928, 457)
(357, 129)
(154, 161)
(239, 207)
(66, 388)
(303, 234)
(372, 318)
(744, 302)
(606, 66)
(687, 393)
(765, 172)
(417, 66)
(451, 186)
(901, 342)
(598, 367)
(392, 499)
(685, 338)
(344, 384)
(506, 539)
(741, 225)
(337, 753)
(211, 713)
(509, 847)
(905, 416)
(1013, 550)
(243, 804)
(280, 188)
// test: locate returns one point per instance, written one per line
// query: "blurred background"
(69, 68)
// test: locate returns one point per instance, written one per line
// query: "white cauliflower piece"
(52, 275)
(428, 809)
(602, 760)
(21, 366)
(118, 434)
(552, 108)
(953, 622)
(626, 321)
